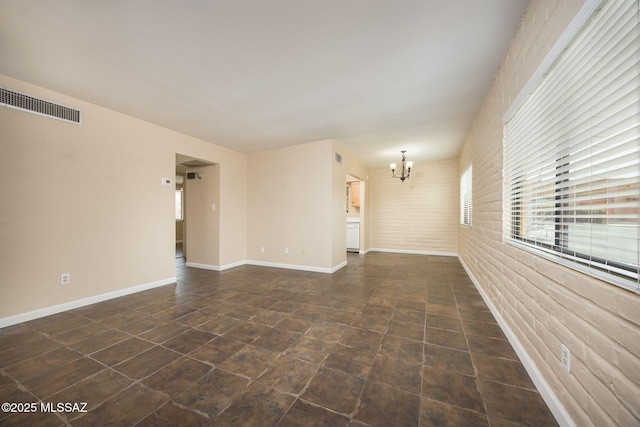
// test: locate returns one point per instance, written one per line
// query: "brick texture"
(420, 214)
(545, 304)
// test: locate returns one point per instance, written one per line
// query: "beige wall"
(233, 208)
(418, 215)
(542, 304)
(289, 204)
(203, 223)
(296, 200)
(87, 200)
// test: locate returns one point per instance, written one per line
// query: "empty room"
(320, 213)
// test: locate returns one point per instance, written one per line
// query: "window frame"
(516, 206)
(179, 191)
(466, 196)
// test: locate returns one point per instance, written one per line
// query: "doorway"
(354, 208)
(186, 168)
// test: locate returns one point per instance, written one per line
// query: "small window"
(179, 205)
(466, 202)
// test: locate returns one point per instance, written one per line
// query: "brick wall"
(543, 304)
(419, 215)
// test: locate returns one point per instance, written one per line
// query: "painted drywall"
(88, 200)
(203, 218)
(419, 215)
(296, 199)
(289, 203)
(544, 305)
(233, 208)
(338, 209)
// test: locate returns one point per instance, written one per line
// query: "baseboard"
(557, 409)
(215, 267)
(412, 252)
(202, 266)
(267, 264)
(310, 268)
(48, 311)
(339, 266)
(232, 265)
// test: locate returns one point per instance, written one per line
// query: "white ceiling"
(379, 76)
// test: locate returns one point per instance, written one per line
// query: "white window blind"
(466, 205)
(572, 152)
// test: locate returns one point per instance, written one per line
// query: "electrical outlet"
(262, 249)
(286, 250)
(565, 358)
(65, 279)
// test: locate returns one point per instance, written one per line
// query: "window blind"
(572, 152)
(466, 205)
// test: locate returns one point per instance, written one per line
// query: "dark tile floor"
(389, 340)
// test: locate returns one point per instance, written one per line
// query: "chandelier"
(406, 168)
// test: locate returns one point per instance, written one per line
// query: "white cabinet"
(353, 236)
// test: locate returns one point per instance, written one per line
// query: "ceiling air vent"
(42, 107)
(338, 158)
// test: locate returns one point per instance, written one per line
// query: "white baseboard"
(557, 409)
(267, 264)
(215, 267)
(298, 267)
(339, 266)
(232, 265)
(48, 311)
(202, 266)
(409, 251)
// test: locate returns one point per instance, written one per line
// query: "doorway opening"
(354, 208)
(186, 168)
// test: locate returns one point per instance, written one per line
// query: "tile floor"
(389, 340)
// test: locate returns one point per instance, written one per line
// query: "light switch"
(213, 207)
